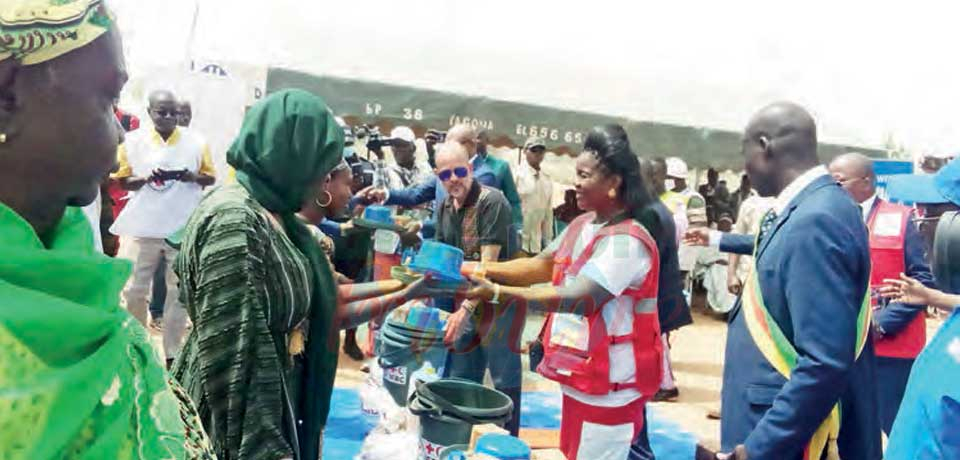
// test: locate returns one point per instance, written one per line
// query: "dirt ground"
(698, 365)
(697, 352)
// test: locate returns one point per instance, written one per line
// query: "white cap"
(403, 133)
(676, 168)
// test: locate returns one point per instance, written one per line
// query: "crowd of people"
(824, 283)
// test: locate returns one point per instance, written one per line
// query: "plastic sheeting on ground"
(347, 427)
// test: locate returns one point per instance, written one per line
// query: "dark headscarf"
(287, 142)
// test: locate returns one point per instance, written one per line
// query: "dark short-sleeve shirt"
(492, 219)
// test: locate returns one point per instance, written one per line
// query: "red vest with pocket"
(588, 370)
(888, 228)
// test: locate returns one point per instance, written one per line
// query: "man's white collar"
(795, 187)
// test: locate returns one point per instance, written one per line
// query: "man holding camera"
(165, 170)
(406, 171)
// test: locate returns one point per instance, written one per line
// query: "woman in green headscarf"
(262, 356)
(78, 376)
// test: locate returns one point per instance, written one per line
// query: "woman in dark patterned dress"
(262, 356)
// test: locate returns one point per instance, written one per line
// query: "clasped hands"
(474, 290)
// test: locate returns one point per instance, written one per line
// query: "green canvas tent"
(510, 123)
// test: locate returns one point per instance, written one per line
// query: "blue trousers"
(496, 348)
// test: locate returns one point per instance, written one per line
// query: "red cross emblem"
(430, 450)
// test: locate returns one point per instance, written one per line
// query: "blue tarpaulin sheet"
(347, 426)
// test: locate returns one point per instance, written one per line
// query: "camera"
(363, 173)
(363, 131)
(375, 140)
(163, 175)
(436, 136)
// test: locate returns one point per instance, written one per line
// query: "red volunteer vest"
(888, 227)
(588, 370)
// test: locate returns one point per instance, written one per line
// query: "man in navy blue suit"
(895, 247)
(813, 272)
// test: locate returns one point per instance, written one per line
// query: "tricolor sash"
(781, 354)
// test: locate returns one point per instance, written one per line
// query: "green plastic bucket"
(448, 410)
(454, 452)
(411, 334)
(404, 358)
(407, 329)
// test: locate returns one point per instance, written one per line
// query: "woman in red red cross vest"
(601, 337)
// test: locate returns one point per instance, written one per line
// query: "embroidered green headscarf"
(287, 142)
(78, 376)
(35, 31)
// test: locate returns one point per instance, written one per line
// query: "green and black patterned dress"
(247, 290)
(252, 276)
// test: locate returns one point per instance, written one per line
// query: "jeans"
(492, 343)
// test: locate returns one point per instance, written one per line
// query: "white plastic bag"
(376, 404)
(402, 445)
(396, 435)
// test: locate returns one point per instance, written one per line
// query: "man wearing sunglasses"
(487, 170)
(895, 248)
(164, 169)
(477, 218)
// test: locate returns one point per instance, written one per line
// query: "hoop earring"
(3, 138)
(612, 193)
(329, 200)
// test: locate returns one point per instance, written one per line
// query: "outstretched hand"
(455, 324)
(410, 236)
(480, 288)
(697, 237)
(907, 290)
(371, 195)
(419, 288)
(427, 286)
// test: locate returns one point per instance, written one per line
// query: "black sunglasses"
(446, 174)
